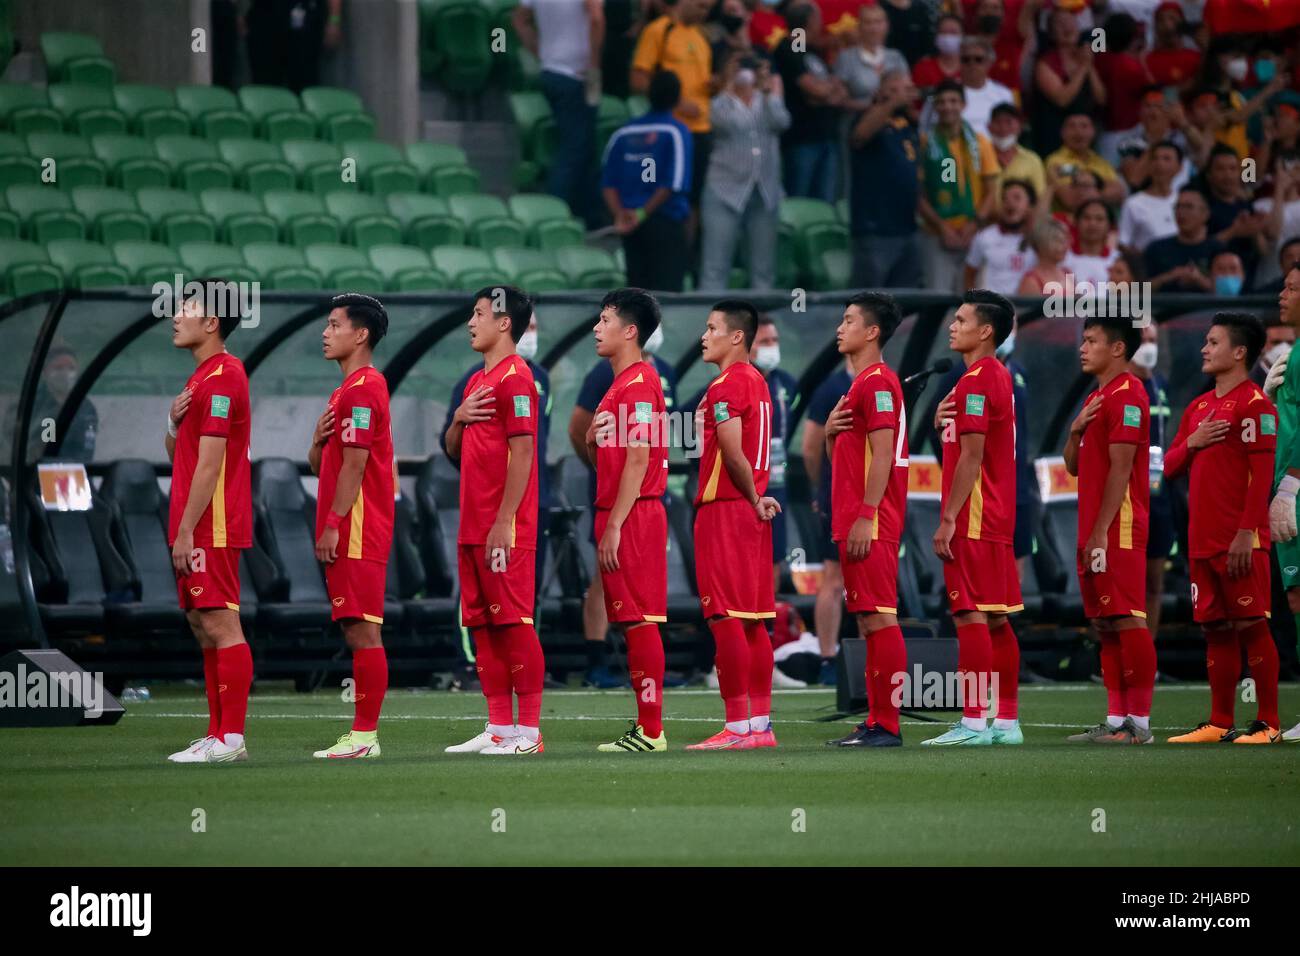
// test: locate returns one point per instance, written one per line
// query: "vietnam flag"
(1251, 16)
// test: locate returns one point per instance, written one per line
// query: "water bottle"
(1156, 468)
(135, 695)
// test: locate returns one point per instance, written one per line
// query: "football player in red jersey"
(494, 434)
(1226, 441)
(210, 518)
(977, 429)
(352, 453)
(626, 440)
(1108, 449)
(733, 527)
(866, 441)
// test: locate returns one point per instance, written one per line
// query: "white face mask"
(1005, 142)
(527, 345)
(1146, 355)
(767, 357)
(656, 339)
(1007, 347)
(948, 43)
(745, 77)
(1237, 68)
(1278, 350)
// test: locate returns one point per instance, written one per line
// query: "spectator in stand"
(1223, 71)
(1174, 59)
(1282, 210)
(884, 189)
(1159, 120)
(1124, 77)
(810, 147)
(1126, 269)
(861, 65)
(839, 24)
(742, 192)
(766, 26)
(729, 30)
(60, 375)
(1017, 162)
(651, 214)
(1000, 255)
(1281, 131)
(1149, 215)
(1233, 219)
(1065, 80)
(1082, 187)
(981, 93)
(1267, 77)
(1091, 256)
(286, 41)
(911, 27)
(1077, 134)
(1005, 25)
(959, 173)
(1279, 339)
(567, 36)
(945, 62)
(1181, 263)
(1227, 272)
(1051, 241)
(1287, 259)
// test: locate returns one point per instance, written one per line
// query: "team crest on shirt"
(360, 417)
(1132, 416)
(220, 406)
(974, 404)
(1245, 601)
(1105, 599)
(618, 605)
(495, 609)
(706, 600)
(953, 595)
(522, 409)
(196, 591)
(884, 401)
(1268, 424)
(338, 601)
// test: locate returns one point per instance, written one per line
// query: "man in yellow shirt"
(1015, 161)
(1076, 152)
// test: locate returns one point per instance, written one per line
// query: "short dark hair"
(1285, 243)
(798, 15)
(741, 316)
(1117, 329)
(992, 309)
(634, 307)
(881, 309)
(665, 91)
(1006, 109)
(364, 310)
(1243, 329)
(212, 293)
(1221, 149)
(518, 306)
(1087, 203)
(1024, 184)
(949, 85)
(1078, 112)
(1168, 144)
(1189, 188)
(765, 318)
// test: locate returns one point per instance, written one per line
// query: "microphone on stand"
(938, 368)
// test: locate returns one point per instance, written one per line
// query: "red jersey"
(928, 73)
(485, 454)
(1125, 419)
(1172, 67)
(361, 420)
(738, 393)
(766, 29)
(219, 406)
(876, 400)
(985, 406)
(636, 400)
(840, 17)
(1221, 473)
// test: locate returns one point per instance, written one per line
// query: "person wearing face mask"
(1224, 72)
(1174, 59)
(981, 93)
(1160, 530)
(729, 33)
(1278, 341)
(61, 370)
(945, 62)
(1007, 26)
(1227, 273)
(1066, 81)
(1017, 162)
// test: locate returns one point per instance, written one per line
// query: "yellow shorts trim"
(233, 607)
(526, 620)
(1000, 608)
(885, 610)
(372, 619)
(654, 619)
(1141, 614)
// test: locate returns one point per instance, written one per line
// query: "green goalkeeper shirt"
(1288, 426)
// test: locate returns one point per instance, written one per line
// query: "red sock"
(1261, 655)
(1138, 654)
(370, 671)
(527, 669)
(974, 661)
(886, 656)
(1006, 665)
(235, 676)
(732, 659)
(645, 665)
(759, 644)
(1112, 674)
(1223, 661)
(214, 695)
(494, 677)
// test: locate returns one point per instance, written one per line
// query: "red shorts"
(733, 561)
(496, 598)
(871, 585)
(1120, 590)
(216, 585)
(356, 589)
(982, 577)
(638, 590)
(1217, 597)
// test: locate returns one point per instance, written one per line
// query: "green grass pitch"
(107, 796)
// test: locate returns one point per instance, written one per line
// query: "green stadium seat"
(26, 109)
(426, 220)
(18, 167)
(277, 113)
(547, 220)
(87, 110)
(380, 168)
(148, 262)
(836, 270)
(11, 144)
(217, 259)
(26, 268)
(453, 181)
(430, 57)
(46, 213)
(344, 267)
(537, 130)
(240, 217)
(406, 269)
(76, 58)
(588, 267)
(214, 112)
(610, 115)
(444, 169)
(339, 114)
(738, 278)
(282, 267)
(259, 165)
(461, 34)
(365, 218)
(176, 216)
(86, 265)
(318, 165)
(302, 218)
(131, 161)
(531, 269)
(466, 267)
(842, 210)
(74, 163)
(10, 225)
(150, 110)
(113, 214)
(193, 165)
(486, 220)
(814, 228)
